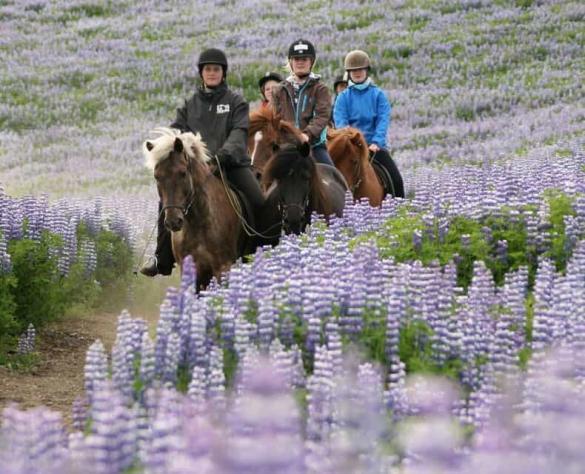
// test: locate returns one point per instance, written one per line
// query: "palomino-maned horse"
(297, 187)
(349, 151)
(199, 210)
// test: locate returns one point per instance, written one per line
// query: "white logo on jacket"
(223, 108)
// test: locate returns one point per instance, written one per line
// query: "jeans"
(321, 155)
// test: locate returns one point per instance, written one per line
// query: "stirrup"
(150, 268)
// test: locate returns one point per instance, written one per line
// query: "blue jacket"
(368, 110)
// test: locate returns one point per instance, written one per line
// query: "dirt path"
(58, 378)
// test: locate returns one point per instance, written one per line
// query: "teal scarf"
(361, 86)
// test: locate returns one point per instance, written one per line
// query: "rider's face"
(212, 75)
(268, 87)
(358, 75)
(301, 65)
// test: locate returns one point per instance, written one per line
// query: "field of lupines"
(310, 358)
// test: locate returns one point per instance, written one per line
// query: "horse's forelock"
(160, 148)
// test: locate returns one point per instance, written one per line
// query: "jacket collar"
(209, 94)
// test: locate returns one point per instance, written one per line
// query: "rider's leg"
(163, 260)
(383, 158)
(321, 155)
(243, 178)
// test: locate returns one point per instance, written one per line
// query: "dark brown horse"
(199, 210)
(349, 151)
(297, 186)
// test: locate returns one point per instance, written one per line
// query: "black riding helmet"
(213, 56)
(340, 80)
(302, 47)
(269, 76)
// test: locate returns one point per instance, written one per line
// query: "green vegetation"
(36, 292)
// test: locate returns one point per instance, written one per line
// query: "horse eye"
(275, 147)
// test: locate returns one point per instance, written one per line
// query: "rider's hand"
(304, 138)
(374, 148)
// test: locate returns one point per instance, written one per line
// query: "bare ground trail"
(61, 346)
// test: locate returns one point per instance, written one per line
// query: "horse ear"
(149, 146)
(304, 149)
(178, 145)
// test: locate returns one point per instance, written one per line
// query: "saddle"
(384, 178)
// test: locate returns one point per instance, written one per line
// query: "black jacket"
(221, 117)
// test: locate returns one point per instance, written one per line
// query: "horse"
(199, 209)
(349, 151)
(296, 187)
(266, 134)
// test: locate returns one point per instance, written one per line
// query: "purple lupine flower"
(198, 386)
(79, 411)
(197, 345)
(430, 441)
(266, 320)
(216, 380)
(147, 361)
(96, 367)
(111, 446)
(264, 427)
(359, 422)
(26, 341)
(172, 359)
(32, 441)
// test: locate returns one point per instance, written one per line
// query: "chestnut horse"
(266, 134)
(349, 151)
(199, 210)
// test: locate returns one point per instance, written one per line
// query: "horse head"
(349, 151)
(179, 163)
(267, 134)
(294, 183)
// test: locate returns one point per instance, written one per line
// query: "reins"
(248, 229)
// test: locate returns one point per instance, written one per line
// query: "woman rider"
(266, 84)
(221, 117)
(304, 100)
(364, 106)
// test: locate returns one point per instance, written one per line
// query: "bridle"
(190, 198)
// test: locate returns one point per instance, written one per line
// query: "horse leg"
(204, 276)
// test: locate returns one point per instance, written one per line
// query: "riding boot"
(163, 260)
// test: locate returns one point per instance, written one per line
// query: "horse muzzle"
(174, 223)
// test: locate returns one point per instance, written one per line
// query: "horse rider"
(304, 100)
(364, 106)
(221, 117)
(339, 85)
(267, 83)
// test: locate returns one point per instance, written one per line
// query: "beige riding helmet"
(356, 59)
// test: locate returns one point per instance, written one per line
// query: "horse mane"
(161, 147)
(260, 118)
(351, 134)
(288, 160)
(264, 117)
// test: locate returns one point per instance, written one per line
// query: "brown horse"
(349, 151)
(266, 134)
(199, 210)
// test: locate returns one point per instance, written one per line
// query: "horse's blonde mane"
(195, 147)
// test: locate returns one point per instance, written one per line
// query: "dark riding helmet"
(340, 80)
(212, 56)
(269, 76)
(302, 47)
